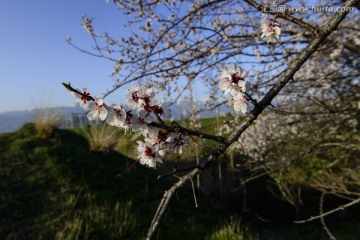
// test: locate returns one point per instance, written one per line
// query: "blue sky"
(35, 57)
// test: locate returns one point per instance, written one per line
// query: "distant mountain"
(12, 120)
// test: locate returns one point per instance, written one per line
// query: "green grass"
(57, 188)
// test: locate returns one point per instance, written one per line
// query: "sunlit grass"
(47, 120)
(101, 138)
(232, 230)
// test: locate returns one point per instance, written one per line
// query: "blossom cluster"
(137, 117)
(270, 29)
(232, 80)
(142, 107)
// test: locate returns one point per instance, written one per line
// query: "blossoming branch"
(139, 116)
(135, 118)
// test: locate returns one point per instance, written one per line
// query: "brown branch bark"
(293, 67)
(283, 15)
(188, 132)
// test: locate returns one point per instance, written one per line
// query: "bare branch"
(342, 207)
(188, 132)
(322, 216)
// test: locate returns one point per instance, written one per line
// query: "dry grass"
(101, 138)
(47, 120)
(232, 230)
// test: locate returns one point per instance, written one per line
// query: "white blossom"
(97, 109)
(270, 29)
(157, 139)
(232, 80)
(232, 77)
(139, 123)
(116, 116)
(241, 105)
(177, 142)
(139, 98)
(81, 99)
(147, 154)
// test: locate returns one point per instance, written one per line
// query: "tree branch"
(342, 207)
(161, 124)
(293, 67)
(331, 236)
(283, 15)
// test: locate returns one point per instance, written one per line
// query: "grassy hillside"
(57, 188)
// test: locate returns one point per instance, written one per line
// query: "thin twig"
(188, 132)
(342, 207)
(252, 100)
(71, 89)
(193, 188)
(322, 216)
(198, 166)
(127, 170)
(176, 171)
(283, 15)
